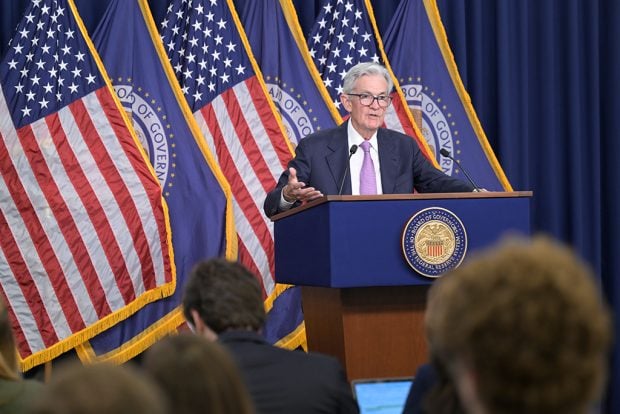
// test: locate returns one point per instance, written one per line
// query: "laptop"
(381, 395)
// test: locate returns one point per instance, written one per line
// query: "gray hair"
(365, 69)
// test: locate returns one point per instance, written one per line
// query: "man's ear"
(346, 102)
(466, 382)
(201, 327)
(196, 321)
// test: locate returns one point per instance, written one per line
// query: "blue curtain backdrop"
(544, 77)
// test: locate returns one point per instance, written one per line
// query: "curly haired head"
(527, 321)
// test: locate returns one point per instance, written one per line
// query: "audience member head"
(8, 358)
(197, 375)
(222, 295)
(521, 329)
(99, 389)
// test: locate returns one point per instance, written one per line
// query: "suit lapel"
(337, 157)
(388, 159)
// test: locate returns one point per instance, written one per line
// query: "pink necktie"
(368, 179)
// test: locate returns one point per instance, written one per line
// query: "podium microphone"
(352, 151)
(446, 153)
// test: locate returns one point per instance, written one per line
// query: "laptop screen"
(381, 396)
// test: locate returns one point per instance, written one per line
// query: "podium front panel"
(358, 243)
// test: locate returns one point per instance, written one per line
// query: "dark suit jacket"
(425, 379)
(289, 382)
(321, 160)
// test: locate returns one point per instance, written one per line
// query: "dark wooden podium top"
(416, 196)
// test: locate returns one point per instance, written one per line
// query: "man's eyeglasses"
(367, 99)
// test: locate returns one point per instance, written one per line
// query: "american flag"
(202, 228)
(344, 35)
(212, 61)
(84, 229)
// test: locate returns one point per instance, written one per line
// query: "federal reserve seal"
(297, 117)
(434, 241)
(152, 129)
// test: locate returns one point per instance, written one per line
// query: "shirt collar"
(240, 335)
(356, 138)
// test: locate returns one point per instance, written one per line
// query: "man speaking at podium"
(377, 160)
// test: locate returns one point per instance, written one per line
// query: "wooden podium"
(362, 301)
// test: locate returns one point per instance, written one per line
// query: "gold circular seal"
(434, 242)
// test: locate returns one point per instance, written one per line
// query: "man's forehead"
(374, 83)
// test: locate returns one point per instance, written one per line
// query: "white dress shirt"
(358, 158)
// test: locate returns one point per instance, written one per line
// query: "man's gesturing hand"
(296, 190)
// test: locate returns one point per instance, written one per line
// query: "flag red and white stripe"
(85, 241)
(82, 237)
(249, 148)
(211, 58)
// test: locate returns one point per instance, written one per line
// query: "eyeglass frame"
(387, 98)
